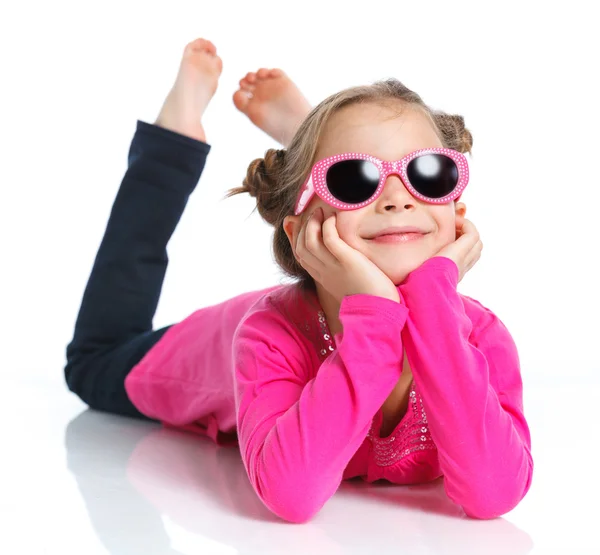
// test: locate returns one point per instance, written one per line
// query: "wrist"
(389, 295)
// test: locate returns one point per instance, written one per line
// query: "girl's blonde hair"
(276, 179)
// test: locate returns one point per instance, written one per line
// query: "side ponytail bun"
(262, 182)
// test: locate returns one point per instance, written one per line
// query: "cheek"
(353, 238)
(445, 223)
(346, 227)
(447, 232)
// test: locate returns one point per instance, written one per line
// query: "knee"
(77, 372)
(69, 373)
(72, 377)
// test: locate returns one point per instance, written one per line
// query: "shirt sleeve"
(471, 387)
(297, 435)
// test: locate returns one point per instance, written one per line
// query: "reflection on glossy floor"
(84, 482)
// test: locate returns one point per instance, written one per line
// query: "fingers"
(469, 228)
(473, 256)
(300, 247)
(470, 244)
(331, 239)
(467, 236)
(314, 239)
(333, 248)
(310, 248)
(302, 254)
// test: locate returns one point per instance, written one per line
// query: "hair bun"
(262, 182)
(455, 134)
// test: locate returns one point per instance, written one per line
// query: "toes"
(265, 73)
(202, 44)
(241, 100)
(262, 73)
(211, 48)
(246, 85)
(219, 64)
(249, 84)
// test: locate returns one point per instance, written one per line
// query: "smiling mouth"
(398, 237)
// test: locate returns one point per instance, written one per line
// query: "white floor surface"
(79, 481)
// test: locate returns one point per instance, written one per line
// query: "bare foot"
(273, 103)
(194, 86)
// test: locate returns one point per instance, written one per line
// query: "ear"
(460, 210)
(291, 226)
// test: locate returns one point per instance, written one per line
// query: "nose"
(395, 193)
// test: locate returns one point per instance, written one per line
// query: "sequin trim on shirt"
(412, 434)
(326, 335)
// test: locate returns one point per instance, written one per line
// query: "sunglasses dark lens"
(352, 181)
(433, 175)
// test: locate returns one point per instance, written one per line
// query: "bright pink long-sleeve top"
(262, 371)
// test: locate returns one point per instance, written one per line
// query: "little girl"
(371, 364)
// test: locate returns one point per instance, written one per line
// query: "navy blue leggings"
(113, 330)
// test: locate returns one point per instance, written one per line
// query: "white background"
(75, 77)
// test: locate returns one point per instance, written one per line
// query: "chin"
(398, 275)
(399, 272)
(399, 278)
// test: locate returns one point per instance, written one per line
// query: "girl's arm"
(470, 383)
(298, 434)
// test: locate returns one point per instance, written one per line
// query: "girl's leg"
(113, 330)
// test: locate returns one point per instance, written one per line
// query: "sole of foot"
(272, 102)
(194, 87)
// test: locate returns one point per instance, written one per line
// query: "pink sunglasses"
(353, 180)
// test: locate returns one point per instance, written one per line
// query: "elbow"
(296, 516)
(294, 504)
(497, 499)
(489, 509)
(296, 499)
(489, 503)
(486, 495)
(294, 491)
(486, 511)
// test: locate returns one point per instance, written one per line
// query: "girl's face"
(378, 130)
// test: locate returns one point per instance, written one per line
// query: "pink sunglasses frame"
(316, 182)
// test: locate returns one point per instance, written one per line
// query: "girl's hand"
(339, 268)
(465, 251)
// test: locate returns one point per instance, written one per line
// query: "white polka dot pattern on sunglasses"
(317, 184)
